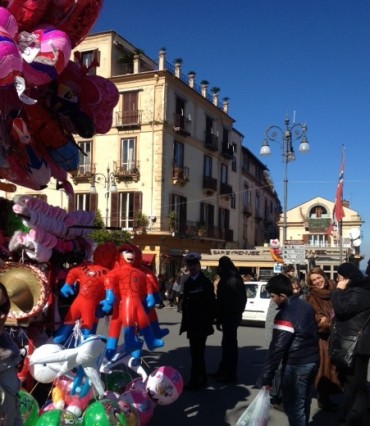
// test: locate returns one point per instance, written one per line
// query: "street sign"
(294, 253)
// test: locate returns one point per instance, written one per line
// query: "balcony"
(83, 174)
(247, 211)
(209, 184)
(181, 125)
(180, 175)
(227, 151)
(127, 172)
(128, 119)
(211, 142)
(226, 189)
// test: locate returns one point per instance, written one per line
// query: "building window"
(178, 154)
(318, 240)
(124, 205)
(233, 164)
(128, 149)
(207, 215)
(224, 173)
(233, 200)
(129, 115)
(89, 59)
(85, 159)
(223, 218)
(207, 166)
(83, 201)
(246, 196)
(178, 205)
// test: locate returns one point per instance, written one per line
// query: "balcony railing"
(247, 211)
(226, 189)
(128, 119)
(227, 151)
(211, 141)
(127, 171)
(83, 173)
(209, 183)
(181, 125)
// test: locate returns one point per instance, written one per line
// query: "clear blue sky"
(271, 58)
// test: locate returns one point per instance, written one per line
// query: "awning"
(148, 259)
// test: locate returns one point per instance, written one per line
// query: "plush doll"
(152, 289)
(126, 289)
(90, 280)
(276, 251)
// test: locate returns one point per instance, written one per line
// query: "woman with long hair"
(319, 291)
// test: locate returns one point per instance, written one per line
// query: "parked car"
(258, 300)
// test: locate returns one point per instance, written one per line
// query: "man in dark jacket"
(351, 304)
(231, 300)
(198, 313)
(295, 344)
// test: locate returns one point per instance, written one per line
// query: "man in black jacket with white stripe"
(294, 344)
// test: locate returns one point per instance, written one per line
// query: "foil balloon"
(141, 402)
(27, 13)
(46, 53)
(56, 417)
(28, 407)
(104, 413)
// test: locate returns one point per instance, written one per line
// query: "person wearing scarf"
(319, 290)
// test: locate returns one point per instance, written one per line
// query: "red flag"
(338, 211)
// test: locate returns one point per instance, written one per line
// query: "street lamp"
(295, 132)
(110, 186)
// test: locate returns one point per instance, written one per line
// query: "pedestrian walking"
(198, 314)
(351, 304)
(294, 344)
(231, 300)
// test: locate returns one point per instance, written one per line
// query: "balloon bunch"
(51, 229)
(44, 97)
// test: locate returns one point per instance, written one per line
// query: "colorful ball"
(45, 373)
(57, 418)
(141, 402)
(117, 381)
(104, 413)
(29, 408)
(164, 385)
(131, 414)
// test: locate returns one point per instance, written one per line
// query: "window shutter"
(138, 201)
(114, 209)
(71, 203)
(93, 202)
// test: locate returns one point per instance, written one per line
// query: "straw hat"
(27, 287)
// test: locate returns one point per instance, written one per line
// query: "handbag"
(342, 349)
(257, 413)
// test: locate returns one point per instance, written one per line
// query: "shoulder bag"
(342, 348)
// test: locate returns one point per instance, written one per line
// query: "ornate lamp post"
(110, 186)
(286, 137)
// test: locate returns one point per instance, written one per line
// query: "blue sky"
(274, 58)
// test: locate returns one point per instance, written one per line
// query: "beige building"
(172, 155)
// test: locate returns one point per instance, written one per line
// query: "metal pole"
(285, 222)
(107, 184)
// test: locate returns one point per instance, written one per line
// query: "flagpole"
(340, 241)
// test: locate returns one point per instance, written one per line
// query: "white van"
(258, 300)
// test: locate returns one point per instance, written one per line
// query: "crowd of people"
(300, 318)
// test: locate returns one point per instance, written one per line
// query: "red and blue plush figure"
(126, 290)
(90, 279)
(152, 289)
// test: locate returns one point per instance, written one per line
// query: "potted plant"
(172, 220)
(201, 229)
(141, 221)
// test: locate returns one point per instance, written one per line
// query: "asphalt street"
(217, 405)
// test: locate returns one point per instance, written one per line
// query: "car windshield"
(252, 290)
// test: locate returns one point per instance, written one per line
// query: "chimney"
(162, 59)
(204, 87)
(136, 64)
(191, 79)
(225, 105)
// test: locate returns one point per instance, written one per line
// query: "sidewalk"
(218, 405)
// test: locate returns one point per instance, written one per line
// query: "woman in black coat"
(351, 304)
